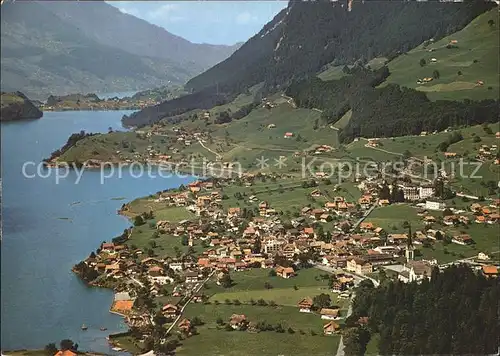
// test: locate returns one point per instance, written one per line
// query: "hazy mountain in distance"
(58, 47)
(109, 26)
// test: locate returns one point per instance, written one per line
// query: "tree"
(272, 273)
(423, 62)
(435, 74)
(491, 23)
(67, 344)
(196, 321)
(219, 321)
(184, 240)
(138, 220)
(268, 285)
(322, 301)
(226, 281)
(51, 348)
(459, 72)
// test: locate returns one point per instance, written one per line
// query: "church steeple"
(410, 249)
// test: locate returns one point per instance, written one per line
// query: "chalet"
(329, 313)
(490, 271)
(462, 240)
(305, 305)
(288, 250)
(285, 272)
(288, 135)
(383, 202)
(316, 193)
(366, 226)
(170, 310)
(429, 219)
(108, 247)
(316, 213)
(364, 202)
(325, 218)
(330, 206)
(450, 220)
(155, 271)
(450, 154)
(234, 212)
(185, 326)
(238, 321)
(65, 353)
(305, 210)
(331, 328)
(309, 231)
(480, 219)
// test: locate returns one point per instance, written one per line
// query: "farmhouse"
(285, 272)
(238, 321)
(305, 305)
(329, 314)
(331, 328)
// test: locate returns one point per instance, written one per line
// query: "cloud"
(244, 18)
(166, 12)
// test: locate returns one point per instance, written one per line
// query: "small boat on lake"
(84, 327)
(103, 328)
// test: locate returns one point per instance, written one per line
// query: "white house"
(434, 205)
(426, 191)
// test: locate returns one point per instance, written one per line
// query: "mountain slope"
(45, 54)
(284, 47)
(473, 57)
(305, 36)
(107, 25)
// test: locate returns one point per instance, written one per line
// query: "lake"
(48, 227)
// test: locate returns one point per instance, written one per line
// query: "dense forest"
(455, 313)
(388, 111)
(205, 99)
(306, 36)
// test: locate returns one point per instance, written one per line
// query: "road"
(195, 290)
(357, 279)
(210, 150)
(340, 350)
(368, 212)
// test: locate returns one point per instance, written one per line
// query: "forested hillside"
(388, 111)
(456, 313)
(306, 36)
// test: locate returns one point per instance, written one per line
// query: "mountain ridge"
(282, 51)
(44, 54)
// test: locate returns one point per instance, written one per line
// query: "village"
(228, 243)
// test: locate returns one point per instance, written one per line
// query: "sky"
(215, 22)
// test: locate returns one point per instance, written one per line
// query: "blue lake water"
(45, 232)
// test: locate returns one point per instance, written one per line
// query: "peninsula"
(16, 106)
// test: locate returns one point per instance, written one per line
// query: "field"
(476, 58)
(306, 334)
(332, 73)
(235, 343)
(254, 280)
(281, 296)
(344, 120)
(391, 218)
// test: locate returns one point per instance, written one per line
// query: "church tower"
(410, 249)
